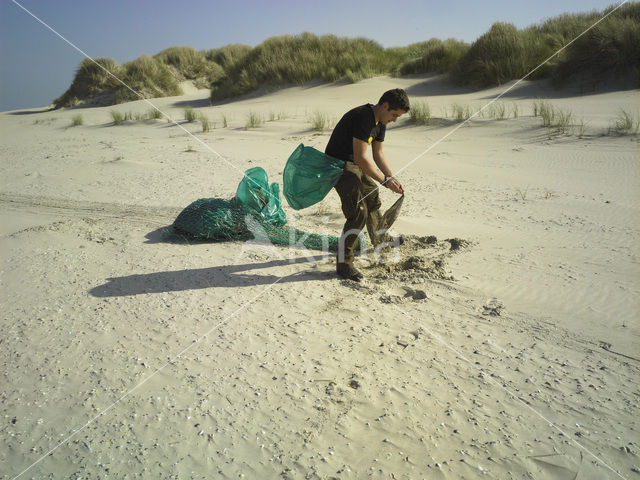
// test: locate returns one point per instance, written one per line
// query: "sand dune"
(513, 354)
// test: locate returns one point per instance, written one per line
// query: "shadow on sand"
(229, 276)
(200, 278)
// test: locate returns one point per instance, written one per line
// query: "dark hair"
(397, 99)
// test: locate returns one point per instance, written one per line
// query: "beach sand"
(506, 347)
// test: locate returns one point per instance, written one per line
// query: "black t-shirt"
(358, 122)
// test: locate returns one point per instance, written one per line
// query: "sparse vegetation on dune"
(190, 114)
(117, 117)
(204, 121)
(320, 121)
(254, 119)
(607, 52)
(420, 113)
(77, 120)
(625, 124)
(154, 114)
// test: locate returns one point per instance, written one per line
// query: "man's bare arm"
(362, 160)
(383, 165)
(380, 159)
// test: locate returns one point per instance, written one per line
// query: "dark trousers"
(352, 187)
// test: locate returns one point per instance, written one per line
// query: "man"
(360, 127)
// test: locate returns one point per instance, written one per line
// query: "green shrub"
(436, 56)
(76, 120)
(90, 80)
(494, 58)
(189, 64)
(298, 59)
(607, 52)
(149, 77)
(228, 55)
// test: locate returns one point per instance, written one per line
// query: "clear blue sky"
(36, 66)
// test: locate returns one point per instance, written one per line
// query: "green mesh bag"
(252, 214)
(308, 176)
(255, 193)
(213, 219)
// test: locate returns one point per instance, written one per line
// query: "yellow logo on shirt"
(370, 140)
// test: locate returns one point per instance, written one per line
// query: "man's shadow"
(201, 278)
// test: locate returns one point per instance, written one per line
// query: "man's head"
(392, 104)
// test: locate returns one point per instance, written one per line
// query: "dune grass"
(625, 124)
(77, 120)
(320, 121)
(299, 59)
(146, 75)
(149, 77)
(204, 121)
(420, 113)
(273, 115)
(154, 114)
(190, 115)
(434, 55)
(497, 110)
(90, 80)
(117, 117)
(228, 55)
(461, 112)
(188, 64)
(254, 120)
(504, 53)
(563, 121)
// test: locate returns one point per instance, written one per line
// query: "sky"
(36, 65)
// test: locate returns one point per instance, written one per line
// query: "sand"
(499, 341)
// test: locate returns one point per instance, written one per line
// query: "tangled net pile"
(254, 213)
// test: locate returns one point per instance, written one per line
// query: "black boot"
(348, 272)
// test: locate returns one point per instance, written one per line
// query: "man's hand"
(393, 185)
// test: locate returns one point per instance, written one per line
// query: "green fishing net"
(254, 213)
